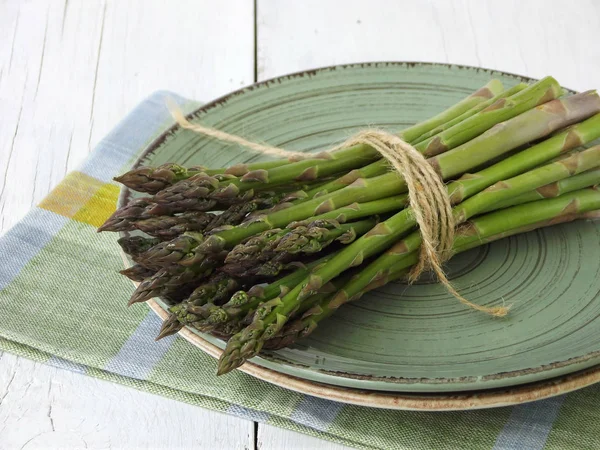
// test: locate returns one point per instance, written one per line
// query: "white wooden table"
(70, 69)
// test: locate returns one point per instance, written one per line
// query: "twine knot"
(428, 196)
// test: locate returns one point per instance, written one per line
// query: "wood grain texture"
(533, 38)
(272, 438)
(45, 407)
(68, 72)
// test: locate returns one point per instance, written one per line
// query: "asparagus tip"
(227, 365)
(137, 298)
(106, 226)
(169, 327)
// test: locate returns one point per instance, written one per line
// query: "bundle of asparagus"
(259, 254)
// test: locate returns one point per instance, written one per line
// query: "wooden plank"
(69, 70)
(46, 407)
(534, 38)
(273, 438)
(198, 49)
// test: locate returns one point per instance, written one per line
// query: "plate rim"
(404, 399)
(417, 401)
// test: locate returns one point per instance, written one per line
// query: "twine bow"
(428, 196)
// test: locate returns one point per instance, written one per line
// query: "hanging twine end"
(495, 311)
(499, 311)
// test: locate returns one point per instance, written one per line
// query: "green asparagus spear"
(490, 90)
(574, 183)
(137, 272)
(137, 209)
(172, 278)
(315, 236)
(249, 341)
(479, 107)
(136, 245)
(169, 227)
(462, 131)
(191, 311)
(200, 187)
(380, 167)
(500, 139)
(494, 195)
(173, 251)
(218, 288)
(557, 145)
(541, 92)
(359, 210)
(478, 231)
(154, 180)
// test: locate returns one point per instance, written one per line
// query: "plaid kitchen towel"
(62, 302)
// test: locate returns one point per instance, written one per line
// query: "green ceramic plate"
(416, 338)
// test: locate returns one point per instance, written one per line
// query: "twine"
(428, 196)
(226, 137)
